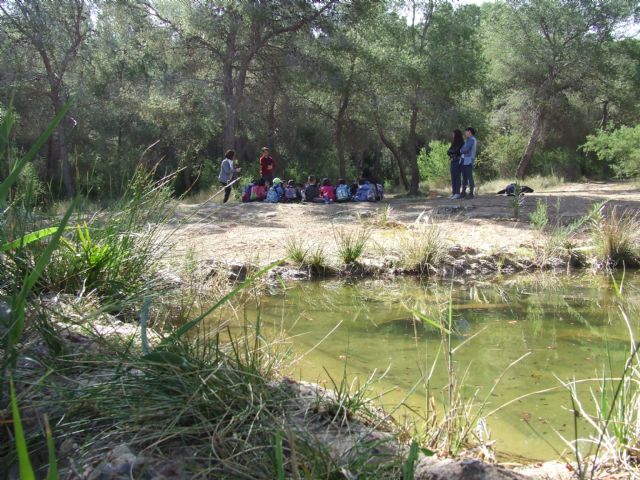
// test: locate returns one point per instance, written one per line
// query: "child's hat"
(276, 181)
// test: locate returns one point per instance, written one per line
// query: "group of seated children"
(363, 191)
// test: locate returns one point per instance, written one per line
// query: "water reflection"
(568, 325)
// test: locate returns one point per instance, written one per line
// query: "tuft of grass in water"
(423, 249)
(460, 422)
(351, 244)
(614, 445)
(615, 237)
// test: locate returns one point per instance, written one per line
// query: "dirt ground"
(257, 232)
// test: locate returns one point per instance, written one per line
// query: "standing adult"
(227, 173)
(267, 166)
(468, 152)
(456, 170)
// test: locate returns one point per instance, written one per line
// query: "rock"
(548, 471)
(5, 311)
(122, 464)
(456, 251)
(238, 272)
(434, 468)
(170, 279)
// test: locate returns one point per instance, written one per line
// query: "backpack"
(274, 194)
(291, 193)
(343, 193)
(257, 193)
(363, 193)
(246, 193)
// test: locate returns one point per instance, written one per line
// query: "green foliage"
(434, 165)
(501, 154)
(619, 148)
(409, 466)
(539, 218)
(26, 470)
(106, 255)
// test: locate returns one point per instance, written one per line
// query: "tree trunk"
(411, 150)
(536, 131)
(396, 155)
(342, 164)
(605, 115)
(230, 116)
(63, 147)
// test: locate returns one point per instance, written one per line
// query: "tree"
(56, 29)
(233, 34)
(548, 49)
(421, 71)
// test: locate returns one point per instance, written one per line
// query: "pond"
(566, 327)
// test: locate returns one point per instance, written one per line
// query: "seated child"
(246, 192)
(276, 192)
(291, 192)
(343, 191)
(311, 191)
(327, 192)
(258, 191)
(364, 192)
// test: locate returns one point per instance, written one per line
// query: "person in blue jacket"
(468, 153)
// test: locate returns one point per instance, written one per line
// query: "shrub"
(434, 164)
(502, 153)
(620, 148)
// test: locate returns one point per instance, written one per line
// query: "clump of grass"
(297, 249)
(423, 249)
(383, 218)
(615, 237)
(351, 244)
(317, 259)
(539, 218)
(305, 255)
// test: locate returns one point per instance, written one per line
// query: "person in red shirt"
(267, 166)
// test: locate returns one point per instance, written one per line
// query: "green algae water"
(564, 328)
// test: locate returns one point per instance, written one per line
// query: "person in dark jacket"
(456, 169)
(312, 191)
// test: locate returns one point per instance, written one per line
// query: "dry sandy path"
(257, 232)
